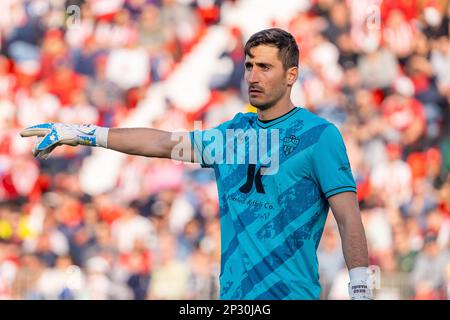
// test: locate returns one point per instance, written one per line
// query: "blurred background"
(90, 223)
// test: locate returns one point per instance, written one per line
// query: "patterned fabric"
(271, 225)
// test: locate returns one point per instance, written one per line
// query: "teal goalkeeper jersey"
(271, 224)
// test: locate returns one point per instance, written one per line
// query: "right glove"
(51, 135)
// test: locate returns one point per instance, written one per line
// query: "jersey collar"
(275, 121)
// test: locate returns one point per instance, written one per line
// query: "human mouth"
(254, 91)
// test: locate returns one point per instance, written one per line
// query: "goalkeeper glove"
(360, 287)
(51, 135)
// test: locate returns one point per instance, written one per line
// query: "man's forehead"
(263, 53)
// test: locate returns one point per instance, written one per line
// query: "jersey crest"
(289, 144)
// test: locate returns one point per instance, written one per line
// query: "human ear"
(291, 75)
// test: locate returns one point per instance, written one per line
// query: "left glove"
(360, 287)
(51, 135)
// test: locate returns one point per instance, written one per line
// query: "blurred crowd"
(379, 70)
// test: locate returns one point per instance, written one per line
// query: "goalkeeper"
(271, 224)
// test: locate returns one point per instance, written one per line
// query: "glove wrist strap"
(101, 135)
(358, 273)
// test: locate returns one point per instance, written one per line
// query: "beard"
(264, 104)
(261, 105)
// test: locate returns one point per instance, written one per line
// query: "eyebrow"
(259, 64)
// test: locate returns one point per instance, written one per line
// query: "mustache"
(253, 87)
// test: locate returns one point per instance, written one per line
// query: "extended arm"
(146, 142)
(150, 142)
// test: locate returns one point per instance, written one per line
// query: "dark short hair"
(283, 40)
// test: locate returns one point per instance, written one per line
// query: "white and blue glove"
(51, 135)
(360, 286)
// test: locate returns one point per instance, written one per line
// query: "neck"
(277, 110)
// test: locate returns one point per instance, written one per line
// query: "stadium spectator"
(155, 233)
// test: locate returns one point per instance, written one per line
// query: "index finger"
(39, 130)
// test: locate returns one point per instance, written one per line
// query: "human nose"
(252, 76)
